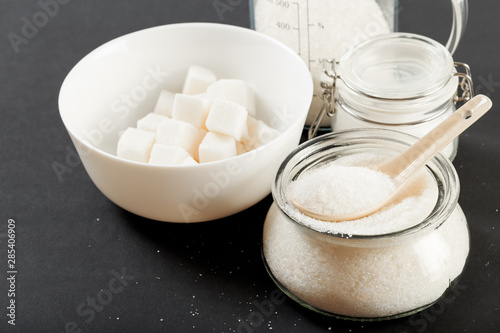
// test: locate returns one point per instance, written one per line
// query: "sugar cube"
(216, 147)
(236, 91)
(259, 133)
(197, 80)
(201, 134)
(240, 148)
(189, 161)
(150, 122)
(191, 109)
(178, 133)
(250, 131)
(228, 118)
(167, 155)
(250, 122)
(165, 103)
(135, 145)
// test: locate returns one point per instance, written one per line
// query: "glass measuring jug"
(325, 29)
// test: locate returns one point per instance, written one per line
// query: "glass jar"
(365, 276)
(398, 81)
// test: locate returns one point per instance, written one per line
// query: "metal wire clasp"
(328, 95)
(464, 83)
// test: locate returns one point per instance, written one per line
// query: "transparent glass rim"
(352, 69)
(314, 151)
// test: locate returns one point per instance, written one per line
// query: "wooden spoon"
(405, 166)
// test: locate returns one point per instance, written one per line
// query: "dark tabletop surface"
(71, 241)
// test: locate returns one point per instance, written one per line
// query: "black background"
(208, 277)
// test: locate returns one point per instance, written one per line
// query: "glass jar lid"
(397, 66)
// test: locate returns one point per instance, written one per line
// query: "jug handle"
(460, 16)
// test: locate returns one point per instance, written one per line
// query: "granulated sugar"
(336, 189)
(347, 185)
(368, 278)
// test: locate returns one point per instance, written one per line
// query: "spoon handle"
(432, 143)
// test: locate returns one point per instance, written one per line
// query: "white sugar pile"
(347, 185)
(375, 280)
(326, 190)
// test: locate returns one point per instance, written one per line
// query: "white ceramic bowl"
(119, 82)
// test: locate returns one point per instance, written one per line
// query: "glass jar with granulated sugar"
(391, 264)
(398, 81)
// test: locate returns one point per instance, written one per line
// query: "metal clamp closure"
(328, 95)
(465, 83)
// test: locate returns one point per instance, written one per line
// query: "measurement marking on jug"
(309, 25)
(308, 36)
(298, 27)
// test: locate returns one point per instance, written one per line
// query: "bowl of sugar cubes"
(186, 122)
